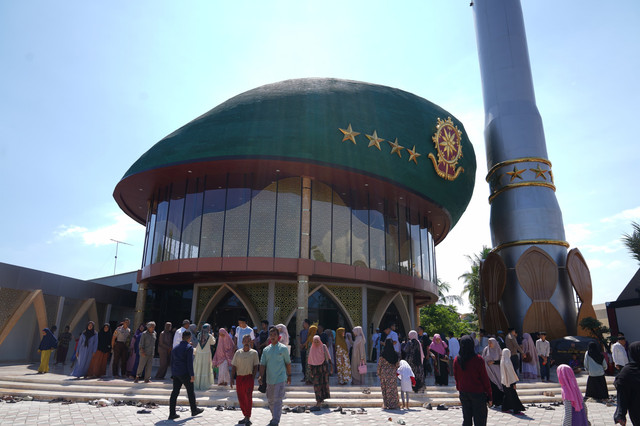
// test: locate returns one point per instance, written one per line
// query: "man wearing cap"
(177, 337)
(619, 352)
(183, 375)
(543, 348)
(500, 339)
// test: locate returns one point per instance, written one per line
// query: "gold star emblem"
(413, 154)
(515, 173)
(374, 140)
(396, 148)
(349, 134)
(539, 172)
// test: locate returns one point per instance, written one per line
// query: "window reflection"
(229, 216)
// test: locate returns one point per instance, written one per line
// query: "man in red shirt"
(472, 382)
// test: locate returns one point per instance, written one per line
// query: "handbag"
(362, 368)
(526, 358)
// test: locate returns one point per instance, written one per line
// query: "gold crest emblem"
(447, 140)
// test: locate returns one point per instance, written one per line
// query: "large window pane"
(288, 220)
(415, 249)
(404, 236)
(320, 222)
(377, 234)
(212, 219)
(426, 252)
(151, 226)
(360, 232)
(392, 251)
(192, 221)
(341, 231)
(161, 226)
(263, 219)
(236, 223)
(174, 222)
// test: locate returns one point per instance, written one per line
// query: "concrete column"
(141, 300)
(306, 218)
(271, 302)
(303, 280)
(365, 321)
(107, 314)
(59, 314)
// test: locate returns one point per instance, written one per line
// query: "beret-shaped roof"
(300, 121)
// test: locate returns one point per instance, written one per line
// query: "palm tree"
(446, 299)
(472, 278)
(632, 241)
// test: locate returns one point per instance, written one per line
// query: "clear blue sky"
(87, 87)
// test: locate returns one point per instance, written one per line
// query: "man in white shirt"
(243, 330)
(543, 348)
(619, 352)
(390, 331)
(177, 337)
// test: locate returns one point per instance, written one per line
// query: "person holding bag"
(320, 364)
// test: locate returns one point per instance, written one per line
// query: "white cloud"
(610, 247)
(121, 228)
(577, 233)
(625, 215)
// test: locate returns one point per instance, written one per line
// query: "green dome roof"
(301, 121)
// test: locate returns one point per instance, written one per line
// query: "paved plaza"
(40, 412)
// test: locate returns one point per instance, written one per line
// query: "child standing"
(407, 381)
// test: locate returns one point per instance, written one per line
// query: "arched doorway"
(322, 310)
(392, 315)
(227, 311)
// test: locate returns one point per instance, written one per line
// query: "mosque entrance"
(392, 315)
(227, 311)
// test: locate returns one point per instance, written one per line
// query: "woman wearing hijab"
(415, 357)
(319, 362)
(509, 380)
(472, 383)
(438, 351)
(387, 372)
(595, 365)
(348, 337)
(342, 358)
(313, 329)
(575, 411)
(628, 386)
(358, 356)
(284, 336)
(98, 366)
(47, 345)
(87, 346)
(134, 352)
(491, 355)
(223, 356)
(202, 364)
(530, 358)
(193, 328)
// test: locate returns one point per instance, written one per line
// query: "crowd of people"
(486, 368)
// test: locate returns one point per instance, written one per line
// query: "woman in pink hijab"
(438, 349)
(223, 356)
(320, 362)
(575, 411)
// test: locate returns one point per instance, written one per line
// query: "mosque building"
(310, 198)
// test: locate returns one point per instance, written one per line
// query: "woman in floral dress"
(387, 372)
(342, 358)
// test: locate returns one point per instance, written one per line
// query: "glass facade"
(233, 216)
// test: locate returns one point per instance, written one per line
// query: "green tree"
(597, 330)
(444, 298)
(472, 279)
(632, 241)
(442, 319)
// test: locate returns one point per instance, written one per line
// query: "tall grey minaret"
(524, 209)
